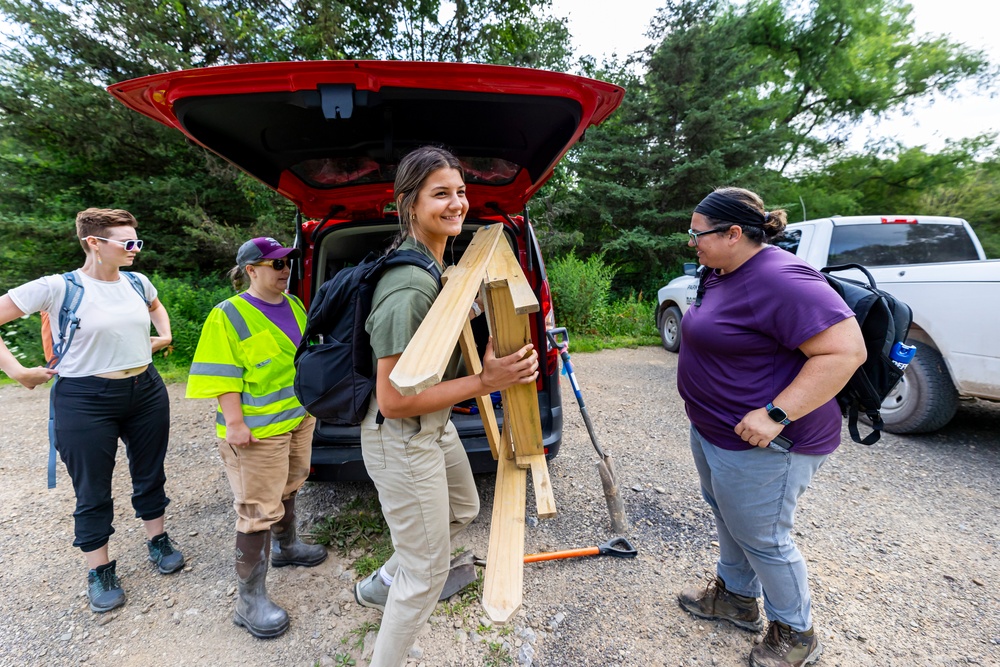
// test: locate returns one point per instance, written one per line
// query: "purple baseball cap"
(264, 247)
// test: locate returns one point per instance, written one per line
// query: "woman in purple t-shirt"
(244, 360)
(766, 347)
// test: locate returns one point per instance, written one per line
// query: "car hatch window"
(884, 245)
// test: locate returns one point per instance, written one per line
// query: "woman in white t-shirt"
(107, 389)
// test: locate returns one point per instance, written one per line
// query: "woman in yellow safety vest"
(244, 359)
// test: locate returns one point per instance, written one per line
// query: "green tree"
(65, 144)
(735, 94)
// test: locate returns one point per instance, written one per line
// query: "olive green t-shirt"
(402, 298)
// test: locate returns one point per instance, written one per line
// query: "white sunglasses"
(129, 245)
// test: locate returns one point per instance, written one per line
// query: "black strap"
(877, 425)
(703, 274)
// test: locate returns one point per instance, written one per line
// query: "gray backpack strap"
(62, 338)
(137, 286)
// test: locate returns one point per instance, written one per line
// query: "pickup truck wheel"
(670, 328)
(925, 399)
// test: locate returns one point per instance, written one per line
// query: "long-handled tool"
(605, 467)
(619, 547)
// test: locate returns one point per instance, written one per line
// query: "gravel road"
(902, 542)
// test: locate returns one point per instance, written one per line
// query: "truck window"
(884, 245)
(789, 240)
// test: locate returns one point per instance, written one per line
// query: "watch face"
(777, 414)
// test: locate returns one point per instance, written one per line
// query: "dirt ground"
(901, 539)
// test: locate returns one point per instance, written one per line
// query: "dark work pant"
(91, 414)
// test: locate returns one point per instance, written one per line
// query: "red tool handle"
(556, 555)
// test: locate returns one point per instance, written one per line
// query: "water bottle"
(901, 355)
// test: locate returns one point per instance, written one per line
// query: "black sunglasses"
(276, 264)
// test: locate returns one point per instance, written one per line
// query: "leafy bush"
(580, 290)
(188, 301)
(24, 341)
(631, 317)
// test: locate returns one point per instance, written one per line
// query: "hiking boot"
(716, 603)
(372, 592)
(103, 588)
(287, 548)
(784, 647)
(162, 552)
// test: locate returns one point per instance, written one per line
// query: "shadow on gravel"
(657, 517)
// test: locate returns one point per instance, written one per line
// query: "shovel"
(462, 572)
(619, 547)
(605, 467)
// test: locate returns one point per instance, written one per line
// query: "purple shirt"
(740, 348)
(280, 314)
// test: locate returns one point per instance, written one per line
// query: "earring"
(99, 259)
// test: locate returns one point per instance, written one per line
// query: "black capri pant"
(90, 415)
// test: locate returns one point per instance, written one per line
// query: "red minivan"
(327, 135)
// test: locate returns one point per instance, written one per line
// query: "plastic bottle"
(902, 354)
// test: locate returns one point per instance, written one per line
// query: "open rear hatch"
(327, 135)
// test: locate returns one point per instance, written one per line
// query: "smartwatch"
(777, 415)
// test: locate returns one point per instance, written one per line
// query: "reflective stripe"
(218, 370)
(258, 421)
(267, 399)
(236, 319)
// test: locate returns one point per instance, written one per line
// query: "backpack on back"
(884, 321)
(334, 371)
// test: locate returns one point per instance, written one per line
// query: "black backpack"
(334, 373)
(884, 321)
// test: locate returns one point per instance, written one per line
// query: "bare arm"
(521, 367)
(834, 354)
(27, 377)
(237, 432)
(161, 320)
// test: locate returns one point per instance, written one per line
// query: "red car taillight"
(549, 322)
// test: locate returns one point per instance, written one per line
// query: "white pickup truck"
(937, 266)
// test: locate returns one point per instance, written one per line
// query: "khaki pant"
(428, 495)
(265, 473)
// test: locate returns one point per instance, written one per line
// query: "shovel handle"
(618, 547)
(556, 555)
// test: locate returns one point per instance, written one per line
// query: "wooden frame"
(489, 267)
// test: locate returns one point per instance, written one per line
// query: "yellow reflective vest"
(242, 351)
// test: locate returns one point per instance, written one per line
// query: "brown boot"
(716, 603)
(784, 647)
(287, 548)
(254, 609)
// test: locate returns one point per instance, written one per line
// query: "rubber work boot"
(254, 609)
(103, 588)
(784, 647)
(372, 592)
(716, 603)
(287, 548)
(162, 552)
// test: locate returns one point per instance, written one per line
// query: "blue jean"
(753, 495)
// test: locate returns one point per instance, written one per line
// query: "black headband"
(726, 209)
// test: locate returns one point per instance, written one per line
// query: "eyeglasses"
(276, 264)
(694, 235)
(129, 245)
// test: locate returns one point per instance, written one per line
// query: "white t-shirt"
(114, 322)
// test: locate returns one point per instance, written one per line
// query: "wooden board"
(545, 501)
(485, 403)
(504, 580)
(512, 331)
(423, 362)
(505, 266)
